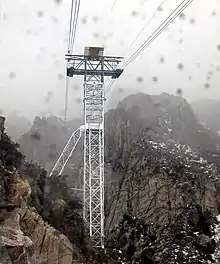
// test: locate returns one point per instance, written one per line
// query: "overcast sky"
(33, 44)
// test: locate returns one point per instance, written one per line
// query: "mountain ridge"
(161, 165)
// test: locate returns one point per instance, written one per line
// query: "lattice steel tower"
(94, 67)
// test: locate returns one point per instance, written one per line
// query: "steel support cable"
(76, 15)
(154, 36)
(159, 30)
(110, 85)
(105, 20)
(72, 35)
(66, 98)
(144, 27)
(146, 24)
(73, 26)
(113, 5)
(111, 10)
(70, 27)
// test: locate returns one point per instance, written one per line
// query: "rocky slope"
(162, 177)
(40, 220)
(176, 199)
(24, 236)
(167, 196)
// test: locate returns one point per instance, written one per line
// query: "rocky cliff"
(24, 236)
(40, 221)
(162, 179)
(164, 206)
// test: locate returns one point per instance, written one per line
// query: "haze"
(34, 39)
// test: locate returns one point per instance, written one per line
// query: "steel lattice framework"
(67, 152)
(94, 67)
(94, 161)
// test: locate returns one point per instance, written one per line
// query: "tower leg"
(94, 162)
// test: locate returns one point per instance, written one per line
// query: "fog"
(34, 40)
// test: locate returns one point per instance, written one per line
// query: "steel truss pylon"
(94, 67)
(94, 161)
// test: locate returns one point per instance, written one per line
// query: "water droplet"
(60, 76)
(182, 16)
(40, 13)
(48, 97)
(213, 13)
(180, 66)
(134, 13)
(84, 20)
(207, 85)
(79, 100)
(5, 17)
(96, 35)
(95, 19)
(28, 32)
(12, 75)
(140, 79)
(55, 19)
(162, 59)
(155, 79)
(57, 1)
(76, 87)
(179, 91)
(121, 90)
(192, 21)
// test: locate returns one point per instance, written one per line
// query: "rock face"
(187, 241)
(40, 220)
(48, 245)
(162, 173)
(162, 177)
(24, 236)
(163, 207)
(2, 125)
